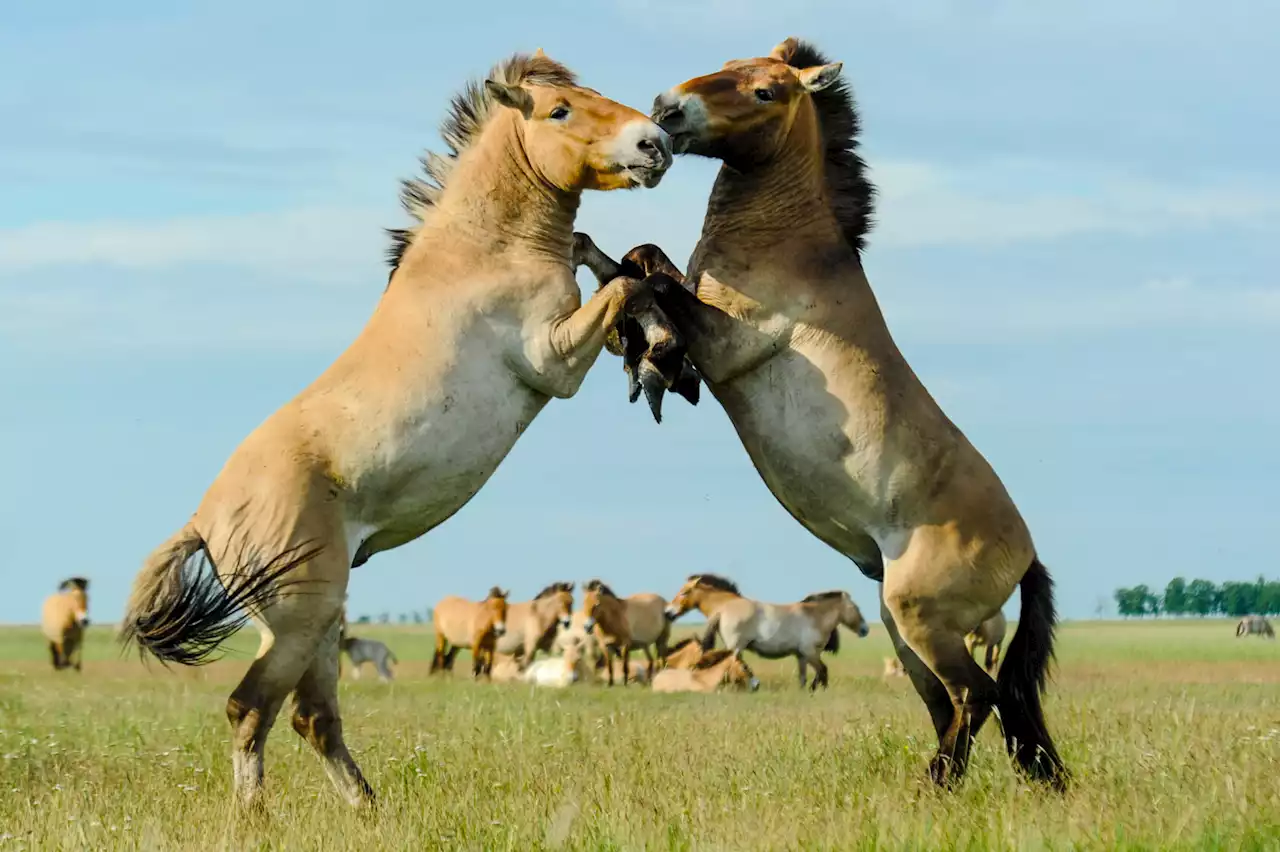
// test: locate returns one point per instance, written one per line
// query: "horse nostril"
(648, 147)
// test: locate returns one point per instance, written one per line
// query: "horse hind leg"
(317, 720)
(970, 692)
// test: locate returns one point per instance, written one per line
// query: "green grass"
(1172, 731)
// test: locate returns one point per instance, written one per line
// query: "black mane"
(715, 581)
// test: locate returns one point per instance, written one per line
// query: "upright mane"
(554, 588)
(715, 581)
(598, 586)
(852, 193)
(822, 596)
(73, 583)
(712, 658)
(468, 112)
(495, 592)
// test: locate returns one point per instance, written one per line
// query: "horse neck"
(713, 601)
(496, 202)
(776, 201)
(544, 609)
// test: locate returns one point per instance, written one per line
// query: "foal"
(712, 671)
(481, 325)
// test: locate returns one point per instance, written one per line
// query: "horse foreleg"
(803, 669)
(317, 720)
(56, 654)
(993, 656)
(437, 660)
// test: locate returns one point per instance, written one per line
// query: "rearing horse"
(481, 324)
(782, 324)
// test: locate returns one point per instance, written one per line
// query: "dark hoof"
(945, 772)
(654, 387)
(689, 384)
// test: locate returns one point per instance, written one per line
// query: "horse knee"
(317, 723)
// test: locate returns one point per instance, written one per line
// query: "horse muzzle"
(589, 625)
(754, 683)
(499, 629)
(863, 631)
(670, 614)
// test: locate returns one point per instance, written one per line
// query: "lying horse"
(532, 625)
(712, 671)
(480, 326)
(989, 633)
(460, 623)
(623, 624)
(1255, 625)
(784, 329)
(63, 619)
(802, 630)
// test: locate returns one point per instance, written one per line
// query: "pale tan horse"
(532, 625)
(1255, 625)
(621, 625)
(63, 619)
(462, 624)
(782, 324)
(714, 670)
(802, 630)
(989, 634)
(893, 668)
(481, 324)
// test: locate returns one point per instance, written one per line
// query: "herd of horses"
(481, 324)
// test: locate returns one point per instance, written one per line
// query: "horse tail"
(180, 610)
(833, 642)
(1023, 678)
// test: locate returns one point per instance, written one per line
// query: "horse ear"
(540, 53)
(514, 97)
(785, 49)
(819, 77)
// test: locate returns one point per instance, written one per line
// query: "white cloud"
(923, 205)
(316, 244)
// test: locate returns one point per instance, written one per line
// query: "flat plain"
(1171, 729)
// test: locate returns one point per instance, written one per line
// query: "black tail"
(1023, 678)
(181, 610)
(833, 642)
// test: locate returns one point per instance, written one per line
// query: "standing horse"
(802, 630)
(460, 623)
(1255, 625)
(713, 670)
(532, 625)
(480, 325)
(781, 323)
(989, 633)
(625, 624)
(63, 619)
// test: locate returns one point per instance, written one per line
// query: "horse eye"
(764, 95)
(560, 113)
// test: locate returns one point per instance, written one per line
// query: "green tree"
(1129, 602)
(1202, 597)
(1149, 603)
(1239, 598)
(1270, 602)
(1175, 597)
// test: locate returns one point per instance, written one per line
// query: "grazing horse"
(63, 619)
(460, 623)
(990, 634)
(1255, 625)
(361, 651)
(480, 325)
(713, 670)
(782, 325)
(532, 625)
(802, 630)
(625, 624)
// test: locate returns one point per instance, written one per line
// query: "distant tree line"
(415, 617)
(1201, 597)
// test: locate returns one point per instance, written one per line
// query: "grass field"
(1172, 731)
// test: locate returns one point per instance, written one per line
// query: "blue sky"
(1076, 249)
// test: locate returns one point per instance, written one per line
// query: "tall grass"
(1172, 732)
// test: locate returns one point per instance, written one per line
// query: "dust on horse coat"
(989, 634)
(481, 324)
(532, 625)
(784, 328)
(715, 670)
(63, 619)
(361, 651)
(1255, 625)
(802, 630)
